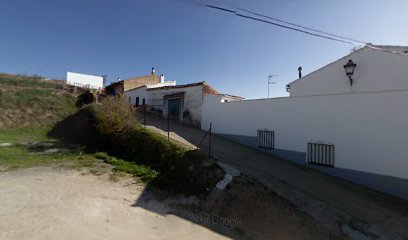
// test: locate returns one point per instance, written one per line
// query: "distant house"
(84, 80)
(179, 102)
(122, 86)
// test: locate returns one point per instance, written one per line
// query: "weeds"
(145, 173)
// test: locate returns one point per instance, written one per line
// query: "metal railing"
(320, 154)
(266, 139)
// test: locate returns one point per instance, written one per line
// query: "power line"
(300, 26)
(279, 25)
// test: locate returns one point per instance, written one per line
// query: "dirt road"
(48, 203)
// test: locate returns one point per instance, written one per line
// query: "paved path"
(341, 206)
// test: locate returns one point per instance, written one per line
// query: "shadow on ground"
(244, 210)
(340, 205)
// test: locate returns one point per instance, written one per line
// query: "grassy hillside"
(30, 101)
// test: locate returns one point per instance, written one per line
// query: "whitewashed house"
(354, 127)
(178, 102)
(84, 80)
(138, 95)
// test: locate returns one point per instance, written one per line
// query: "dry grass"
(31, 101)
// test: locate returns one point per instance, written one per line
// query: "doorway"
(174, 108)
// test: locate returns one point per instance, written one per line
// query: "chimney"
(162, 78)
(153, 71)
(300, 72)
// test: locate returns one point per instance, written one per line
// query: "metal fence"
(320, 154)
(266, 139)
(145, 110)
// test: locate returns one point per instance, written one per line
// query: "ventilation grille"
(266, 139)
(320, 154)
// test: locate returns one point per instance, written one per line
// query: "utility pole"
(270, 81)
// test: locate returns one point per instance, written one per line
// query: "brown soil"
(261, 214)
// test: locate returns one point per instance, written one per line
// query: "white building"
(84, 80)
(137, 96)
(179, 102)
(356, 131)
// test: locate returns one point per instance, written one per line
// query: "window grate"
(320, 154)
(266, 139)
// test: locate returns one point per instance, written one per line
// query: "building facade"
(355, 129)
(122, 86)
(84, 80)
(178, 102)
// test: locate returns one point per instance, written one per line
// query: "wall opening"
(320, 154)
(266, 139)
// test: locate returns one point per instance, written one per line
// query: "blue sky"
(187, 43)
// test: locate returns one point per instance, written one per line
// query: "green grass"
(20, 157)
(29, 101)
(21, 154)
(27, 134)
(31, 97)
(26, 81)
(145, 173)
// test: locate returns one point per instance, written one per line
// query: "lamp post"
(270, 81)
(349, 68)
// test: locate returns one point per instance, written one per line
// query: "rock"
(354, 234)
(224, 182)
(229, 169)
(44, 144)
(56, 150)
(6, 144)
(208, 162)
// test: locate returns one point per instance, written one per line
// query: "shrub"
(115, 116)
(85, 99)
(112, 127)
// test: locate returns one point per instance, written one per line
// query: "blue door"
(173, 108)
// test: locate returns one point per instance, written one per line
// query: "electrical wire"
(279, 23)
(299, 26)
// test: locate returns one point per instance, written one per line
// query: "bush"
(115, 116)
(112, 127)
(85, 99)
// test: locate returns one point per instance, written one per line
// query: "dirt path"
(50, 203)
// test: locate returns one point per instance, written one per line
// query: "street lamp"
(349, 67)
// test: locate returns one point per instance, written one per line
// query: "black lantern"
(349, 67)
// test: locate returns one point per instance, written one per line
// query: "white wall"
(376, 71)
(192, 102)
(162, 84)
(369, 130)
(137, 92)
(84, 80)
(142, 93)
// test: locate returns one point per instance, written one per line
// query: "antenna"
(270, 81)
